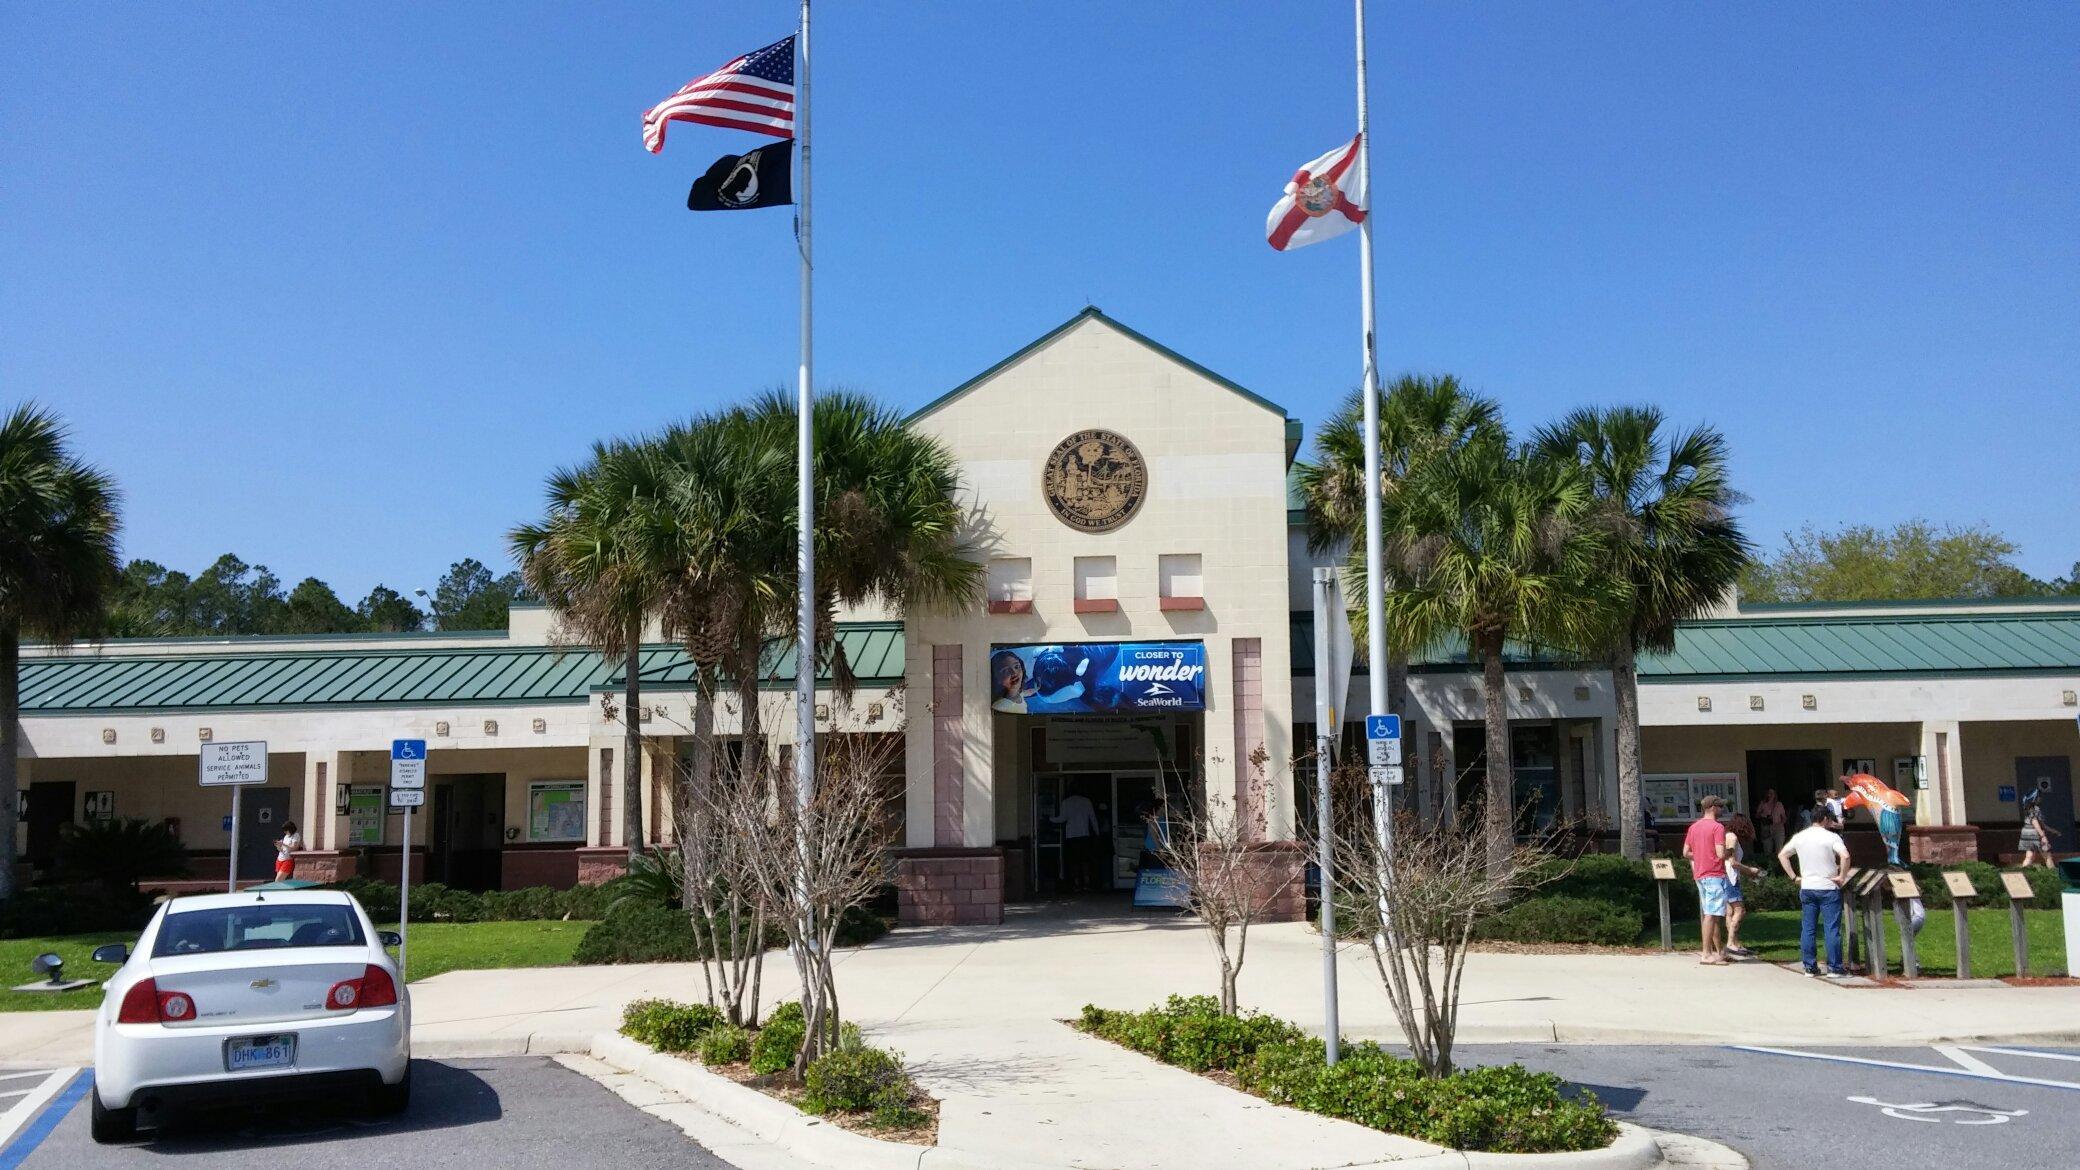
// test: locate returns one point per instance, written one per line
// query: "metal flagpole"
(1375, 577)
(805, 486)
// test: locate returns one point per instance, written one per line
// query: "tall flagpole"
(805, 485)
(1375, 577)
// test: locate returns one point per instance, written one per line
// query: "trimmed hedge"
(632, 931)
(669, 1026)
(434, 902)
(862, 1080)
(1563, 919)
(37, 911)
(1506, 1109)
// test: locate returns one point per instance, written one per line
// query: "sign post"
(407, 791)
(2020, 894)
(1332, 680)
(1664, 873)
(234, 766)
(1905, 890)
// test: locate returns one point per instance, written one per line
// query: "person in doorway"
(1771, 818)
(1831, 802)
(1740, 838)
(1823, 866)
(1705, 845)
(1083, 843)
(2036, 835)
(285, 848)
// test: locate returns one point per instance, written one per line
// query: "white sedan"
(245, 997)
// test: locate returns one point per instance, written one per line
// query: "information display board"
(556, 811)
(1674, 797)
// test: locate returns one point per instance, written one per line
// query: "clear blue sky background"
(334, 286)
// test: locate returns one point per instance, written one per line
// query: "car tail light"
(144, 1003)
(375, 988)
(140, 1004)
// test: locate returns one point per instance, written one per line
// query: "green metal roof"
(391, 676)
(1092, 312)
(1978, 643)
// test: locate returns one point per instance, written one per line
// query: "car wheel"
(391, 1100)
(110, 1126)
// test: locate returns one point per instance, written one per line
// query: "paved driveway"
(524, 1112)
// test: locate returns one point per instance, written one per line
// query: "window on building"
(1097, 584)
(556, 810)
(1010, 584)
(1181, 577)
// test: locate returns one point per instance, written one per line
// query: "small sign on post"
(1961, 895)
(2020, 894)
(1383, 740)
(407, 791)
(1904, 890)
(233, 766)
(1664, 873)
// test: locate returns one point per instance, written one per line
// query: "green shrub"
(669, 1026)
(857, 927)
(638, 932)
(775, 1045)
(725, 1044)
(1562, 919)
(1190, 1032)
(119, 852)
(1504, 1109)
(865, 1080)
(1771, 891)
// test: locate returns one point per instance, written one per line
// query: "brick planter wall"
(1280, 865)
(326, 865)
(950, 887)
(598, 865)
(1943, 844)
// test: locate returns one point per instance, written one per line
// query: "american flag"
(755, 92)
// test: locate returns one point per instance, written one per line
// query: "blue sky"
(335, 286)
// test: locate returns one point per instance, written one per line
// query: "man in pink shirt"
(1705, 845)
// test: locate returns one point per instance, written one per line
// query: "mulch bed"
(778, 1087)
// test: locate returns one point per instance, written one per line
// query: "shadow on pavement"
(443, 1097)
(1619, 1098)
(1048, 918)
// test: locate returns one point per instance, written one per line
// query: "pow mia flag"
(739, 182)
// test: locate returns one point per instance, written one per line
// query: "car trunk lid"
(258, 986)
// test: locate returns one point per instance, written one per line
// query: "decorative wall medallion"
(1095, 480)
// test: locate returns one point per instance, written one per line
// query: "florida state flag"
(1326, 198)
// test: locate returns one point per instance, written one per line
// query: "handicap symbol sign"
(1383, 727)
(407, 749)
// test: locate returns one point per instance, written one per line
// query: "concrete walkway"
(975, 1010)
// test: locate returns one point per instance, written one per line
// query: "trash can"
(2069, 899)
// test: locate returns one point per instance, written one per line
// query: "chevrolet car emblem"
(262, 984)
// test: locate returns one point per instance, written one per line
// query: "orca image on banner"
(740, 182)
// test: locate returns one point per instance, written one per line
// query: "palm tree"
(598, 557)
(1420, 417)
(1664, 504)
(57, 568)
(1488, 543)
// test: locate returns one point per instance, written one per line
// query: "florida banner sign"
(1097, 678)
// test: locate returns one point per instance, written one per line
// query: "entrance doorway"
(2051, 777)
(50, 809)
(261, 814)
(1534, 761)
(1798, 775)
(466, 833)
(1121, 799)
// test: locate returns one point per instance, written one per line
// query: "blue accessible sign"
(1383, 744)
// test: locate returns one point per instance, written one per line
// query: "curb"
(490, 1047)
(812, 1139)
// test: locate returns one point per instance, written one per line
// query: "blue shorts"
(1711, 896)
(1733, 892)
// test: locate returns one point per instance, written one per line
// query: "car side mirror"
(117, 953)
(390, 938)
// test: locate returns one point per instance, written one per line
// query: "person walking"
(1740, 835)
(1823, 866)
(1771, 819)
(2036, 835)
(1704, 843)
(285, 849)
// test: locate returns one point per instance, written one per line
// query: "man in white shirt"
(1823, 866)
(1082, 843)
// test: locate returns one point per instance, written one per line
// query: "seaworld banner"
(1093, 678)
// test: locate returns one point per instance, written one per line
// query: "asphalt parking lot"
(1843, 1108)
(520, 1112)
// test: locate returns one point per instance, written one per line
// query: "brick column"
(1248, 692)
(950, 887)
(949, 745)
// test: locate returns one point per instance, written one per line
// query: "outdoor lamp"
(49, 964)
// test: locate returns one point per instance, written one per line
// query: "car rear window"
(257, 928)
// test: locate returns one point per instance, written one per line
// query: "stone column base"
(950, 887)
(599, 864)
(1279, 869)
(1943, 844)
(325, 866)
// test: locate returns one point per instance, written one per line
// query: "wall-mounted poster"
(101, 806)
(365, 815)
(1089, 678)
(1674, 797)
(556, 811)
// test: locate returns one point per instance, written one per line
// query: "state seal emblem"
(1095, 480)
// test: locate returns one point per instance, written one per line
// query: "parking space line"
(2071, 1056)
(1904, 1066)
(23, 1127)
(1967, 1060)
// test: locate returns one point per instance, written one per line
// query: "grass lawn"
(1773, 935)
(436, 947)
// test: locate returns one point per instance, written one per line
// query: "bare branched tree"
(719, 888)
(1230, 877)
(1418, 907)
(808, 866)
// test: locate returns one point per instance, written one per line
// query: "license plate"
(249, 1052)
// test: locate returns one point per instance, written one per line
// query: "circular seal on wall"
(1095, 480)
